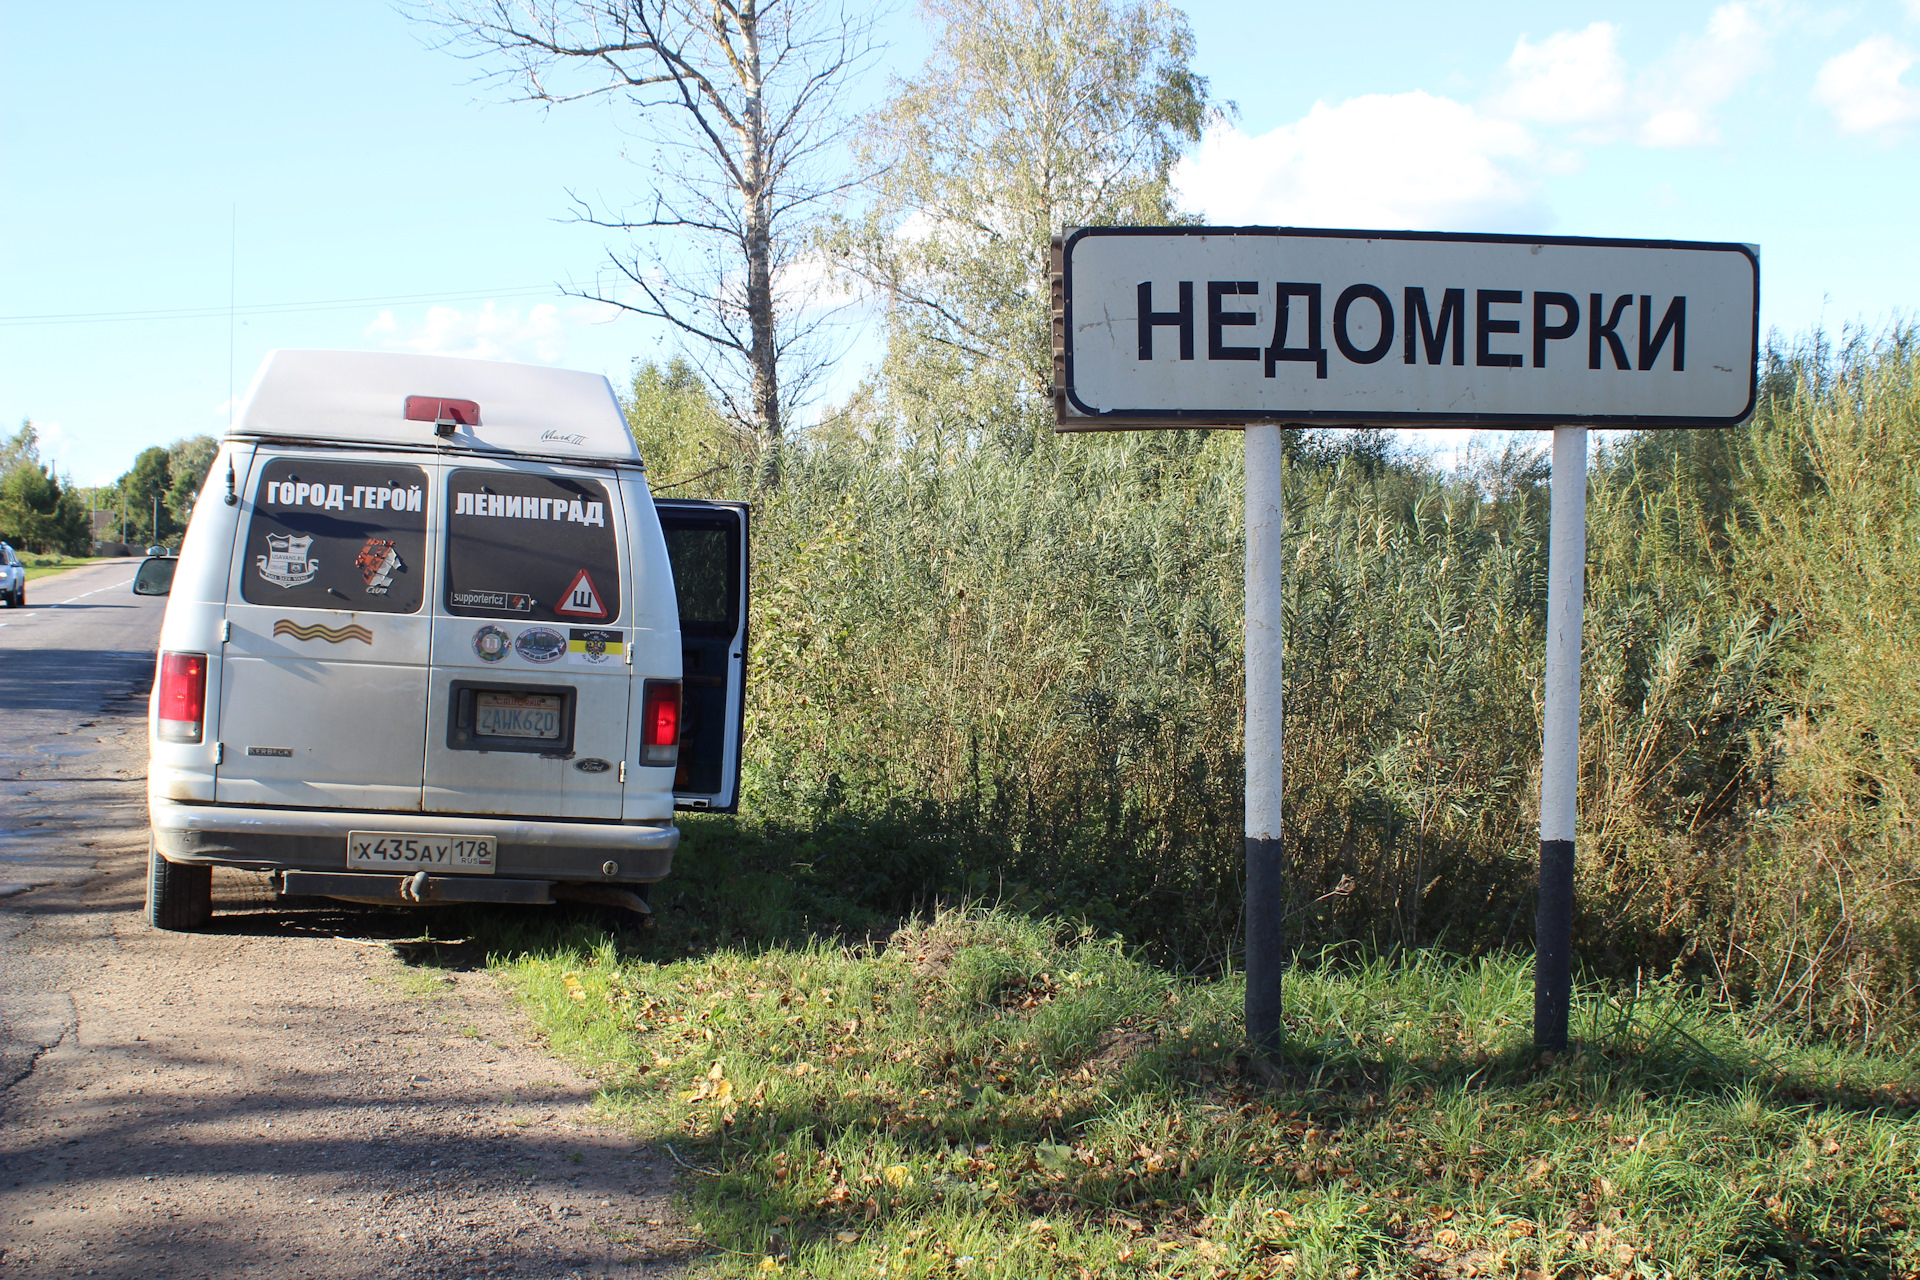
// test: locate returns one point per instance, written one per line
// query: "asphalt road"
(79, 655)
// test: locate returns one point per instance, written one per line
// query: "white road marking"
(96, 591)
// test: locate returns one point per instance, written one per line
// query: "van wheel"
(179, 897)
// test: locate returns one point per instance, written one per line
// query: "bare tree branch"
(742, 99)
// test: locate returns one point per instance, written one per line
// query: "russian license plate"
(402, 851)
(516, 715)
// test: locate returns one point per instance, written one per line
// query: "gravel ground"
(284, 1095)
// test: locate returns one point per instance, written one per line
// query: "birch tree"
(742, 101)
(1029, 116)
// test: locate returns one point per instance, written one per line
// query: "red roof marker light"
(444, 414)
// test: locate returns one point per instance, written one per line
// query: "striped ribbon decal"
(315, 631)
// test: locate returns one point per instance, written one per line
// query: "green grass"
(45, 566)
(985, 1095)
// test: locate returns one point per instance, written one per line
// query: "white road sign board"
(1176, 326)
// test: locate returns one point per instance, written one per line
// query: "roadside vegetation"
(45, 566)
(983, 1094)
(1011, 672)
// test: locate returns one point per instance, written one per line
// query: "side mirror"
(154, 577)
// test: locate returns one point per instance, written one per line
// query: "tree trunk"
(763, 355)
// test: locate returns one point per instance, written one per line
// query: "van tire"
(179, 897)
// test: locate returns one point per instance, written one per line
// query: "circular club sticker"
(541, 645)
(490, 644)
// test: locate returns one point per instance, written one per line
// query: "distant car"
(13, 578)
(158, 551)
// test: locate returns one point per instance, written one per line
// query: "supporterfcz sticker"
(490, 644)
(504, 601)
(595, 647)
(541, 645)
(286, 563)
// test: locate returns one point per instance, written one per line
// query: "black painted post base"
(1553, 948)
(1266, 942)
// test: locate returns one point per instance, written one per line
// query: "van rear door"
(324, 672)
(528, 703)
(707, 546)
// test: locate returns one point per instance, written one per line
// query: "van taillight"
(183, 696)
(660, 722)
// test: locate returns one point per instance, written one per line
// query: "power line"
(278, 308)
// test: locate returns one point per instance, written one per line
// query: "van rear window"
(539, 547)
(337, 535)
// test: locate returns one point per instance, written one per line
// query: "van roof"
(361, 397)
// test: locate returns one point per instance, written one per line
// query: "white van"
(430, 638)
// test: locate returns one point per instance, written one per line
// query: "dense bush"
(1005, 664)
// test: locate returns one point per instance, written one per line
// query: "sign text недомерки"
(1165, 326)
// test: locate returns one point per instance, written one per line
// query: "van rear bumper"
(316, 839)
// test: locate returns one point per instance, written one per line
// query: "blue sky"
(327, 154)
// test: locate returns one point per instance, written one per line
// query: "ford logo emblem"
(592, 764)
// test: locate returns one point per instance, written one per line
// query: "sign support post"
(1560, 740)
(1266, 855)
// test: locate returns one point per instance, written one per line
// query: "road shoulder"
(288, 1092)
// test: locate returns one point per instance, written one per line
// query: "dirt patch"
(275, 1097)
(1117, 1048)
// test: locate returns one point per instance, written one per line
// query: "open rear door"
(707, 545)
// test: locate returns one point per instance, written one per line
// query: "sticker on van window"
(519, 540)
(378, 561)
(490, 644)
(325, 534)
(593, 647)
(541, 645)
(504, 601)
(287, 563)
(580, 600)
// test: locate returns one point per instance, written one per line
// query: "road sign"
(1196, 326)
(1159, 327)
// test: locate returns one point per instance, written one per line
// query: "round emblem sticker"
(541, 645)
(490, 644)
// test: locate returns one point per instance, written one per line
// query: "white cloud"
(1571, 77)
(1391, 161)
(55, 447)
(1862, 87)
(1579, 78)
(1701, 72)
(490, 333)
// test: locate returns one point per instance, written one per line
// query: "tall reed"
(1005, 664)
